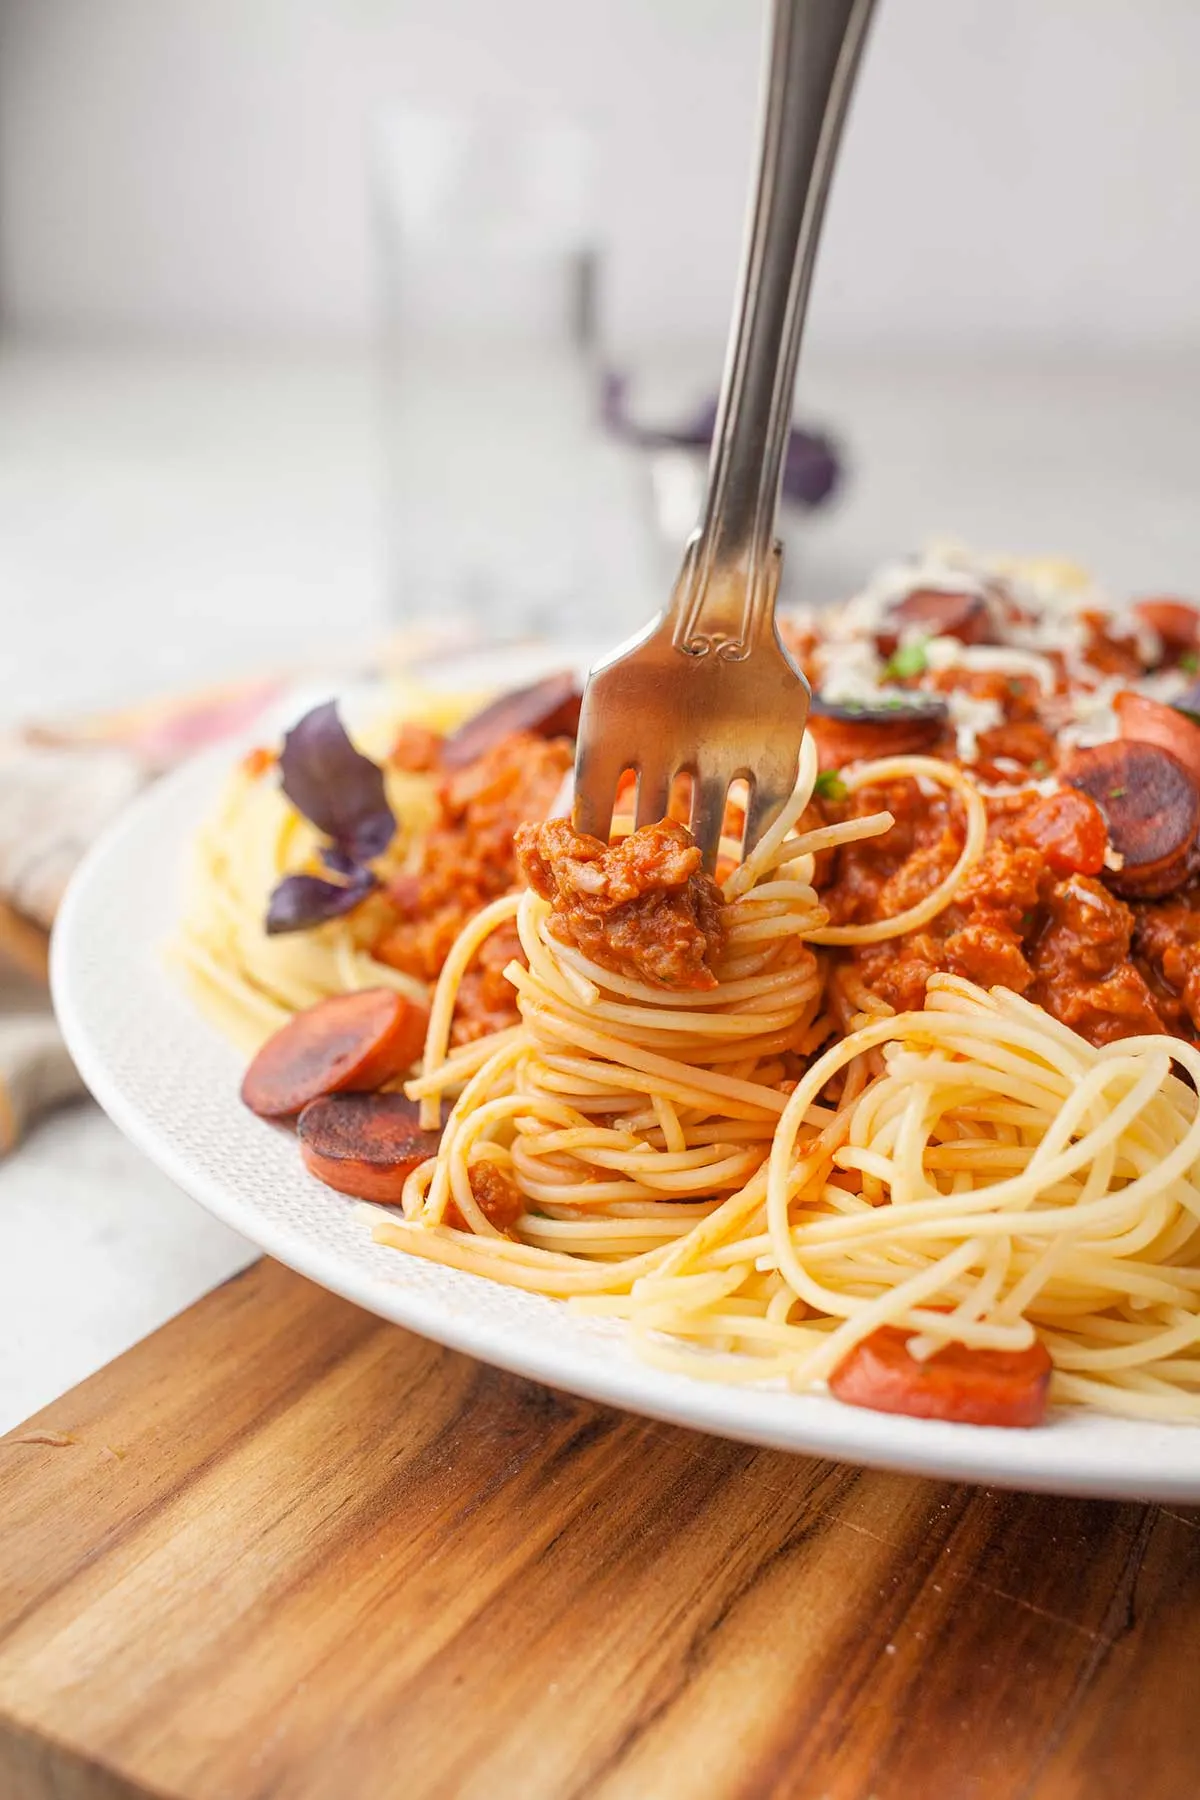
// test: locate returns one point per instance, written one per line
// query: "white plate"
(171, 1084)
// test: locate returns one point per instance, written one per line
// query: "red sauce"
(467, 860)
(1030, 916)
(1075, 903)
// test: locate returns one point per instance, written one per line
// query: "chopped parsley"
(1117, 793)
(909, 660)
(1039, 767)
(1189, 662)
(830, 786)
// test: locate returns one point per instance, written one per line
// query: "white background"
(1015, 170)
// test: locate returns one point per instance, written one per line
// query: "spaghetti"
(969, 1173)
(248, 982)
(911, 1099)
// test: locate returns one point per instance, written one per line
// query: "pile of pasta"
(971, 1174)
(245, 981)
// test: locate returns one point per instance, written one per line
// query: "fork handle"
(726, 590)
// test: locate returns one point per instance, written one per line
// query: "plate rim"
(1070, 1455)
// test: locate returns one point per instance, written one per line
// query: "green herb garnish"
(1117, 793)
(907, 661)
(1189, 662)
(830, 786)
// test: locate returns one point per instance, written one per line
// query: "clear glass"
(509, 513)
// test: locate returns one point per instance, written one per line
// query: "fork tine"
(597, 774)
(708, 814)
(654, 792)
(772, 789)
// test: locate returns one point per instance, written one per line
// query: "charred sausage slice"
(366, 1145)
(349, 1041)
(936, 613)
(1147, 721)
(549, 707)
(847, 732)
(1151, 805)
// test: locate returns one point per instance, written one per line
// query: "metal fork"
(707, 689)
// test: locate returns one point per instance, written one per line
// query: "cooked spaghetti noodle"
(250, 982)
(247, 982)
(970, 1173)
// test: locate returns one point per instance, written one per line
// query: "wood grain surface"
(292, 1553)
(23, 944)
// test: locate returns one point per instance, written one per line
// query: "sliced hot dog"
(848, 733)
(1150, 722)
(350, 1041)
(938, 614)
(1176, 622)
(969, 1387)
(549, 707)
(365, 1144)
(1151, 805)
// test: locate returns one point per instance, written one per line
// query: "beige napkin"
(60, 786)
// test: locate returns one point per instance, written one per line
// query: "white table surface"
(166, 518)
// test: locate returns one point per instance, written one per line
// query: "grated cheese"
(970, 716)
(948, 653)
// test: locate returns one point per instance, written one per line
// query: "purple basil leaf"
(811, 469)
(613, 412)
(697, 434)
(301, 901)
(339, 790)
(339, 862)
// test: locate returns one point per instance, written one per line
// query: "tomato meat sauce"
(1081, 727)
(1033, 915)
(466, 860)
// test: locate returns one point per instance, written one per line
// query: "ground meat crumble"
(467, 860)
(1023, 919)
(642, 907)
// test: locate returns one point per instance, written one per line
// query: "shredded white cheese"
(970, 717)
(948, 653)
(1084, 895)
(1090, 717)
(850, 670)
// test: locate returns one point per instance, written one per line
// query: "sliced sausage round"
(1177, 622)
(366, 1145)
(970, 1387)
(1151, 805)
(936, 613)
(848, 733)
(1148, 721)
(349, 1041)
(549, 707)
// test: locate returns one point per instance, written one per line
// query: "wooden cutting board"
(292, 1553)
